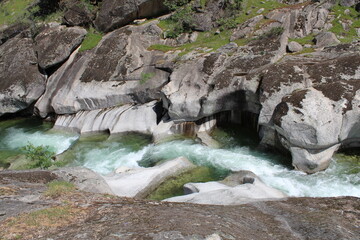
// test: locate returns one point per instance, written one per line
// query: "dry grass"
(32, 224)
(7, 191)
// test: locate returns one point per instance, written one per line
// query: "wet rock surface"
(108, 217)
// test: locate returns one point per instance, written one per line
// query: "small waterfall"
(187, 129)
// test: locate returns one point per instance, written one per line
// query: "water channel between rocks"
(103, 154)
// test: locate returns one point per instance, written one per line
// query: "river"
(103, 154)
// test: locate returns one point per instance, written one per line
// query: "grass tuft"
(58, 188)
(91, 40)
(12, 11)
(174, 186)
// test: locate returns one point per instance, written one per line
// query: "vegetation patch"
(7, 191)
(91, 40)
(40, 156)
(146, 77)
(161, 47)
(174, 186)
(28, 225)
(352, 20)
(59, 188)
(206, 40)
(14, 10)
(305, 40)
(250, 9)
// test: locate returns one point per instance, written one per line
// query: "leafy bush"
(181, 21)
(40, 156)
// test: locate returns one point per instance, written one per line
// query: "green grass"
(146, 77)
(58, 188)
(340, 16)
(305, 50)
(174, 186)
(161, 47)
(213, 41)
(205, 40)
(91, 40)
(305, 40)
(50, 214)
(12, 11)
(254, 6)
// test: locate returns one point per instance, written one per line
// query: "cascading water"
(103, 155)
(15, 134)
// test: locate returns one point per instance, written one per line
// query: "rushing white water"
(19, 137)
(335, 181)
(105, 155)
(22, 132)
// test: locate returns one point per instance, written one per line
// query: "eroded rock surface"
(237, 188)
(55, 44)
(139, 183)
(118, 71)
(117, 13)
(95, 216)
(21, 83)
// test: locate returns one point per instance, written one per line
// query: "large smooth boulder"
(126, 118)
(314, 122)
(76, 13)
(241, 188)
(141, 182)
(117, 13)
(84, 179)
(55, 44)
(120, 70)
(294, 47)
(7, 32)
(326, 39)
(216, 82)
(21, 83)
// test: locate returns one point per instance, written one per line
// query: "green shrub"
(181, 21)
(40, 156)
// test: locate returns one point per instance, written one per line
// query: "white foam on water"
(106, 160)
(332, 182)
(103, 158)
(19, 137)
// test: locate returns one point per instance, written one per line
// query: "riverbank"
(30, 209)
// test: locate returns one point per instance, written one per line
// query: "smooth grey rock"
(84, 179)
(348, 3)
(294, 47)
(219, 193)
(312, 123)
(21, 84)
(141, 182)
(122, 119)
(228, 48)
(117, 13)
(326, 39)
(76, 13)
(120, 70)
(54, 45)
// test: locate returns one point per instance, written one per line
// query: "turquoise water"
(103, 154)
(15, 134)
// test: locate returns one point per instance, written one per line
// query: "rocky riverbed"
(30, 209)
(285, 70)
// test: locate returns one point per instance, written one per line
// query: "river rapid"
(104, 154)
